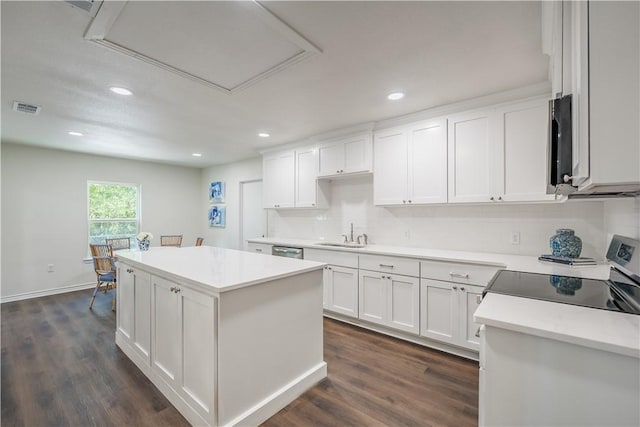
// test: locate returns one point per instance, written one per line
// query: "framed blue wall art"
(216, 192)
(217, 216)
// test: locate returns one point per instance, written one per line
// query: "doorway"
(253, 216)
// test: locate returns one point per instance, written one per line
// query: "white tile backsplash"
(485, 228)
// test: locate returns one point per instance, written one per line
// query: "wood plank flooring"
(61, 367)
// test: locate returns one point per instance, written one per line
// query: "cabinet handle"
(460, 275)
(478, 299)
(258, 250)
(478, 332)
(386, 265)
(499, 198)
(455, 288)
(338, 171)
(129, 270)
(178, 290)
(462, 289)
(172, 289)
(491, 198)
(409, 201)
(404, 201)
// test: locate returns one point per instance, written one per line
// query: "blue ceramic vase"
(565, 243)
(143, 245)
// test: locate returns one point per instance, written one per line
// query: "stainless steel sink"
(341, 245)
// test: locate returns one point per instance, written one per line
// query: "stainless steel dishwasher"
(287, 252)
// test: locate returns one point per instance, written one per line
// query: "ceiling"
(225, 71)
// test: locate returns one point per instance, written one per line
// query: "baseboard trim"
(281, 398)
(47, 292)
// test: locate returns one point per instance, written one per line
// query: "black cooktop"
(617, 294)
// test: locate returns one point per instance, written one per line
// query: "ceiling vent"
(90, 6)
(23, 107)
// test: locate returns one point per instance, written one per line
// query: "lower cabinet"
(183, 343)
(341, 290)
(390, 300)
(447, 312)
(133, 309)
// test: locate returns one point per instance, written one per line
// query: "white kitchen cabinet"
(346, 155)
(499, 154)
(447, 312)
(522, 137)
(598, 51)
(290, 180)
(278, 179)
(410, 164)
(183, 349)
(133, 313)
(261, 248)
(341, 290)
(390, 300)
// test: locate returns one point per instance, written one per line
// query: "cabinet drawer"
(405, 266)
(342, 259)
(473, 274)
(261, 248)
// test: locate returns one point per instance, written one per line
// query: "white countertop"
(526, 263)
(590, 327)
(217, 268)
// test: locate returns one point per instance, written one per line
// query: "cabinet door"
(471, 164)
(306, 177)
(125, 297)
(196, 331)
(278, 174)
(372, 297)
(343, 290)
(165, 339)
(390, 167)
(142, 313)
(523, 140)
(357, 154)
(403, 303)
(427, 161)
(438, 307)
(330, 158)
(261, 248)
(469, 300)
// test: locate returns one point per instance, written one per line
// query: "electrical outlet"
(50, 268)
(515, 237)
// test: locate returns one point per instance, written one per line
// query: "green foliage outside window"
(113, 211)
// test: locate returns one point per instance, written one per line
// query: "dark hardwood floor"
(61, 367)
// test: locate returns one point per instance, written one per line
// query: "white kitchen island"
(229, 337)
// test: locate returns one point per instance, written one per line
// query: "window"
(114, 211)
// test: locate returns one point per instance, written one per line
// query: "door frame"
(241, 213)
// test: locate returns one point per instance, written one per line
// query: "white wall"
(44, 212)
(622, 216)
(485, 228)
(232, 174)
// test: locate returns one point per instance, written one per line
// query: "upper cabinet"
(278, 179)
(290, 180)
(595, 57)
(345, 156)
(499, 154)
(410, 164)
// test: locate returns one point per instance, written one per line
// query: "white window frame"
(138, 205)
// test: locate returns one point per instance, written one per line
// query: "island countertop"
(219, 269)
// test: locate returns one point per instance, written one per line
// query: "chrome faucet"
(351, 234)
(365, 237)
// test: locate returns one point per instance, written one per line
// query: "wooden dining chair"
(118, 243)
(199, 241)
(104, 266)
(173, 240)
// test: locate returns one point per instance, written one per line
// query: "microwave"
(560, 151)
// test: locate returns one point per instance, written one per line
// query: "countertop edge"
(551, 323)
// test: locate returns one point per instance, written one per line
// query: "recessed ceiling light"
(120, 90)
(264, 135)
(395, 96)
(196, 155)
(74, 133)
